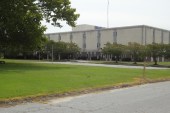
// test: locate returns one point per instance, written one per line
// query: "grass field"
(25, 78)
(132, 63)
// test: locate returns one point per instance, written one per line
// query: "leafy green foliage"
(20, 21)
(55, 10)
(113, 49)
(156, 50)
(167, 50)
(21, 28)
(136, 50)
(72, 49)
(62, 48)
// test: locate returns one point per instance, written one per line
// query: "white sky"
(121, 13)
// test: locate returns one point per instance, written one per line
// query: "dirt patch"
(46, 98)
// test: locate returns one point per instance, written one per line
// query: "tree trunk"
(135, 60)
(59, 57)
(155, 61)
(116, 59)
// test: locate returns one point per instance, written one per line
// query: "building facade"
(91, 39)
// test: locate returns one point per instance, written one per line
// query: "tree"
(156, 50)
(56, 48)
(167, 50)
(135, 50)
(114, 49)
(61, 48)
(20, 21)
(72, 49)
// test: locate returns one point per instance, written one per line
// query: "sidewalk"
(103, 65)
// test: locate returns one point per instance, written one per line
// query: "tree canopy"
(156, 50)
(136, 50)
(113, 49)
(61, 49)
(20, 21)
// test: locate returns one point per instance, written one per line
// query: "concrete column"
(154, 35)
(89, 56)
(162, 37)
(142, 38)
(108, 57)
(47, 57)
(97, 56)
(111, 57)
(101, 56)
(158, 59)
(105, 56)
(163, 59)
(151, 59)
(131, 57)
(145, 36)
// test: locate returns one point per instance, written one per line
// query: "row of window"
(154, 36)
(98, 44)
(98, 39)
(162, 35)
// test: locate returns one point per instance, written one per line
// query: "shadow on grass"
(135, 64)
(17, 67)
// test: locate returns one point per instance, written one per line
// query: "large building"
(91, 39)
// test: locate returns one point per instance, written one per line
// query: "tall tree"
(59, 49)
(167, 51)
(156, 50)
(135, 50)
(114, 49)
(72, 49)
(20, 21)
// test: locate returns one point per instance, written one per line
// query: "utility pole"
(144, 63)
(107, 13)
(52, 53)
(39, 55)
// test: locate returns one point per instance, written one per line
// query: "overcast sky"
(121, 13)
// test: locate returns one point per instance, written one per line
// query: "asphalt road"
(149, 98)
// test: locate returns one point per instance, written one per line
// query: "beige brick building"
(91, 39)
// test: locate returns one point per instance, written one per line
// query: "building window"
(98, 45)
(153, 35)
(84, 46)
(84, 40)
(98, 39)
(162, 37)
(71, 37)
(59, 37)
(115, 36)
(48, 37)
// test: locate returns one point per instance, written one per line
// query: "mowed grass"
(24, 78)
(132, 63)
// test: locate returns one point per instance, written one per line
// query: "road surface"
(103, 65)
(149, 98)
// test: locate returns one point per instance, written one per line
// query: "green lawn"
(25, 78)
(131, 63)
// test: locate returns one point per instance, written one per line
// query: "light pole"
(52, 53)
(107, 13)
(144, 63)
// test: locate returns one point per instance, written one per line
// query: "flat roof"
(113, 28)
